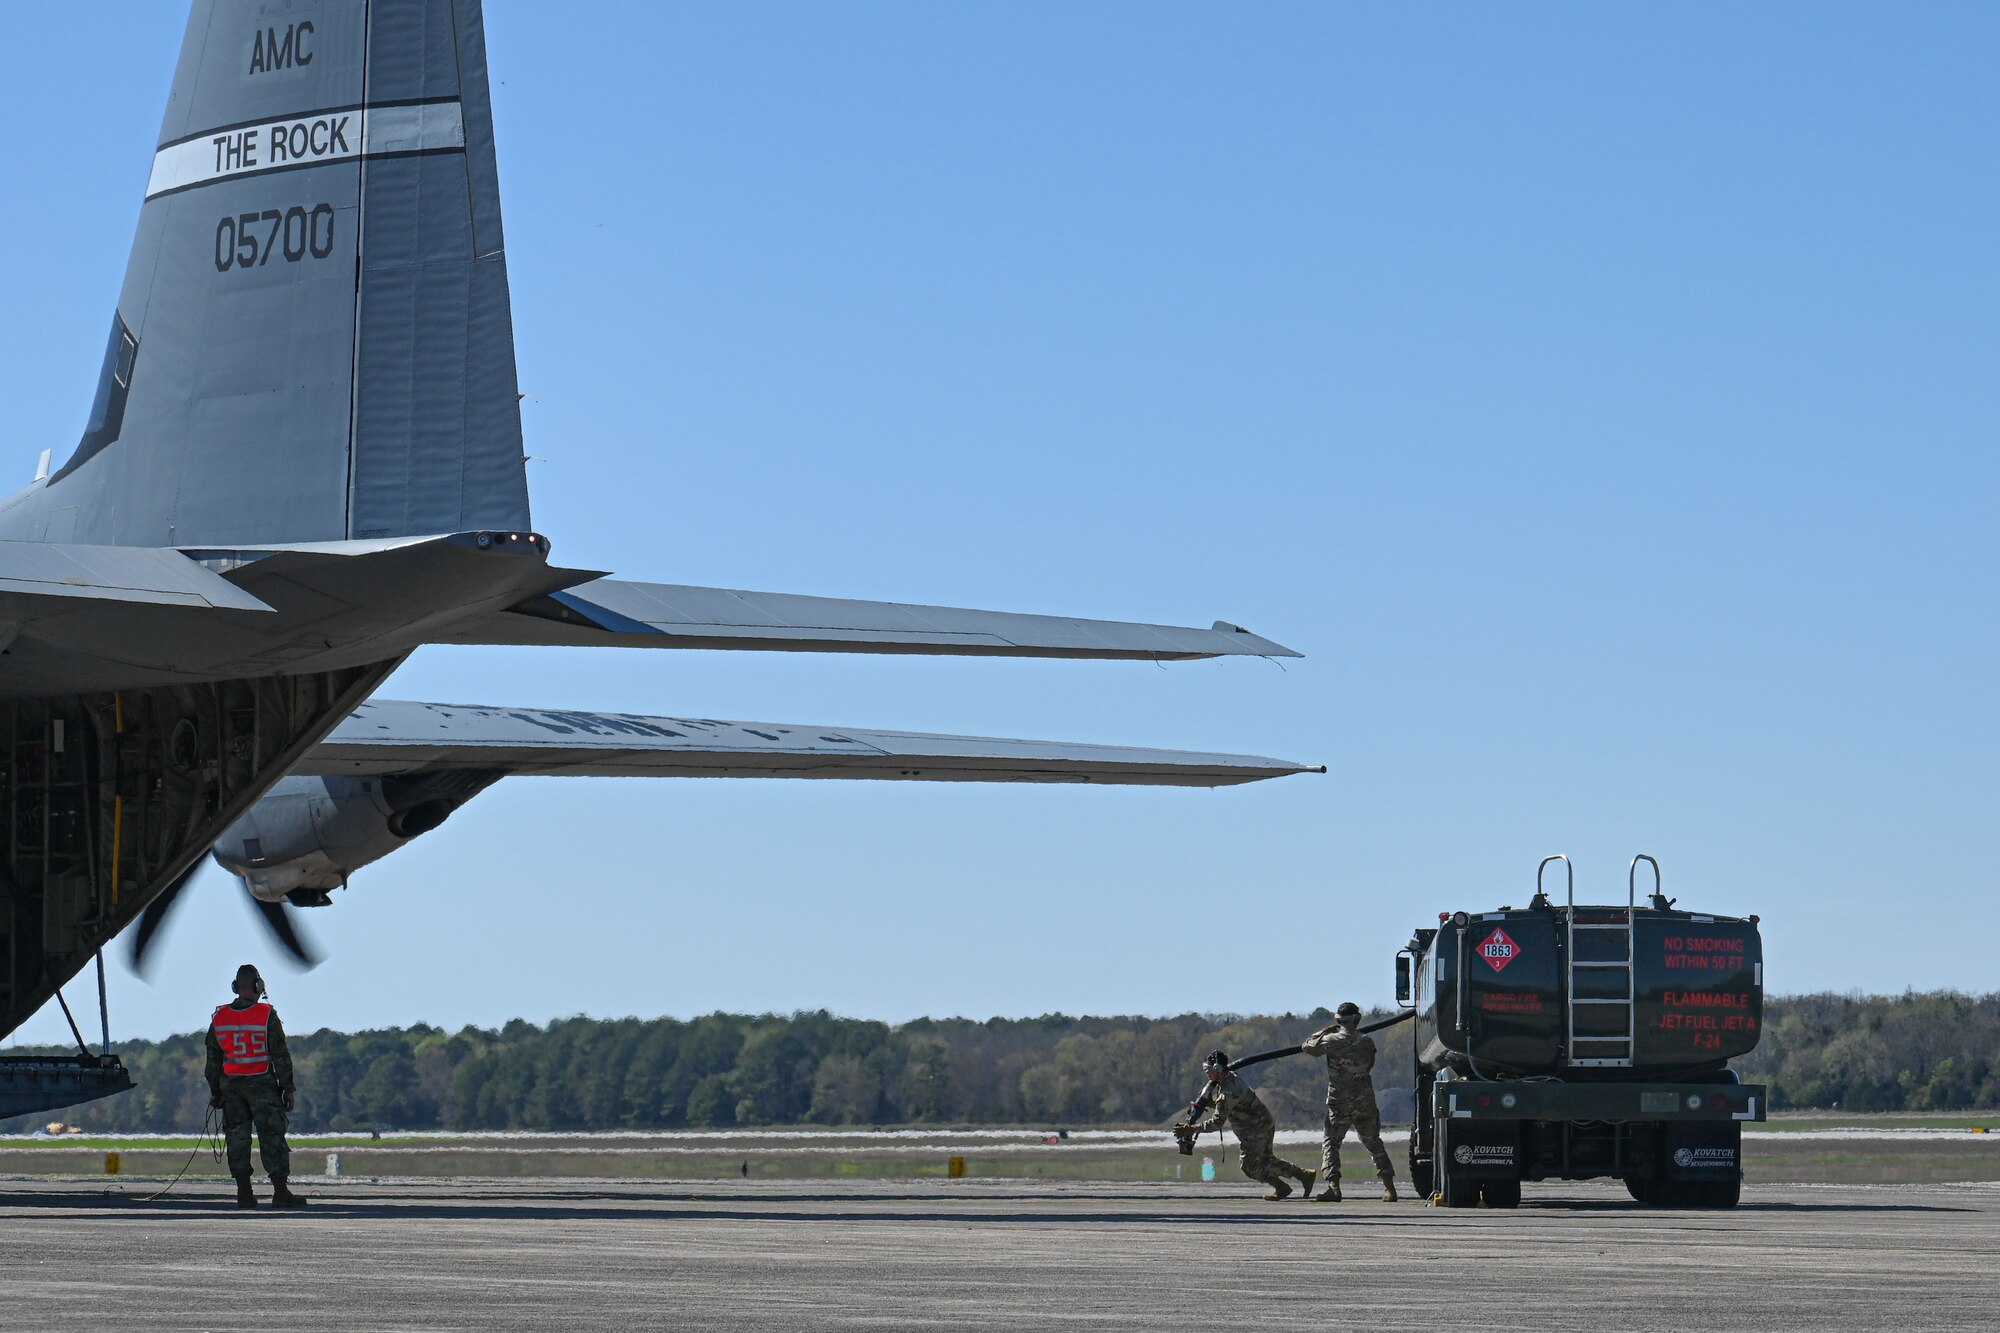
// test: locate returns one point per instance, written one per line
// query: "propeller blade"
(278, 918)
(156, 914)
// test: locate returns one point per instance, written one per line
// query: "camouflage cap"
(1348, 1009)
(1215, 1059)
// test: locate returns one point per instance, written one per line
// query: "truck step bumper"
(1480, 1099)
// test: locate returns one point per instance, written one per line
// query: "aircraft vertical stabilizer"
(303, 462)
(314, 340)
(437, 435)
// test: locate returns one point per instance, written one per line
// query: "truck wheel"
(1420, 1176)
(1643, 1189)
(1501, 1193)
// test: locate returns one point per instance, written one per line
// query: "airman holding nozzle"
(1230, 1101)
(1350, 1099)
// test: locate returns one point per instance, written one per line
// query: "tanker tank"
(1574, 1041)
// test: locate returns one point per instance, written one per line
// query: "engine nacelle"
(305, 836)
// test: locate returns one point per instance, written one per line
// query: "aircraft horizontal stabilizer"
(391, 736)
(664, 615)
(160, 576)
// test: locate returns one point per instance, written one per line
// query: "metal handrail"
(1632, 880)
(1568, 870)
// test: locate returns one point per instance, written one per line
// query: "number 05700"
(248, 240)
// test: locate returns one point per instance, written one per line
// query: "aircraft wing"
(669, 615)
(40, 576)
(391, 736)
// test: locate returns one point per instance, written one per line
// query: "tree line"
(1917, 1052)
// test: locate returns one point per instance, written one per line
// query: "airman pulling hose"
(1262, 1056)
(1186, 1141)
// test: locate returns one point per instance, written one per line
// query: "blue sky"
(1601, 397)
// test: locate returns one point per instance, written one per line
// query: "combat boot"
(1388, 1187)
(1279, 1190)
(282, 1196)
(1306, 1179)
(244, 1197)
(1331, 1194)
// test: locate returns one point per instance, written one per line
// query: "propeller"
(155, 914)
(276, 917)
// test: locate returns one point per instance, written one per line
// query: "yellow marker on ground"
(957, 1168)
(112, 1164)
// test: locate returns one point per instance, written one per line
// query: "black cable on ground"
(208, 1139)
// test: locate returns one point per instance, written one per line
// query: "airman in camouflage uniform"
(1350, 1099)
(261, 1099)
(1230, 1101)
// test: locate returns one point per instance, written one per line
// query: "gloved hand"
(291, 1099)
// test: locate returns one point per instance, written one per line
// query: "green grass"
(1963, 1156)
(1782, 1121)
(1960, 1120)
(180, 1143)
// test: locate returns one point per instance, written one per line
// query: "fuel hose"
(1282, 1051)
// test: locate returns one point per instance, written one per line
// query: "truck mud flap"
(1693, 1153)
(1479, 1159)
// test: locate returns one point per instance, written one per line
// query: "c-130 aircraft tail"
(314, 340)
(304, 461)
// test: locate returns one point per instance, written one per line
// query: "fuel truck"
(1572, 1042)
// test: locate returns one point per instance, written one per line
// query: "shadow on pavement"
(585, 1205)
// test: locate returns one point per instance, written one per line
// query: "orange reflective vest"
(245, 1038)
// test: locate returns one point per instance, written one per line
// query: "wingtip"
(1263, 648)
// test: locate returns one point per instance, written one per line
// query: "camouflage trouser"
(1361, 1116)
(247, 1102)
(1259, 1162)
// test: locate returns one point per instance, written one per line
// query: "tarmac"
(980, 1254)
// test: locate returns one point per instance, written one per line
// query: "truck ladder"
(1603, 983)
